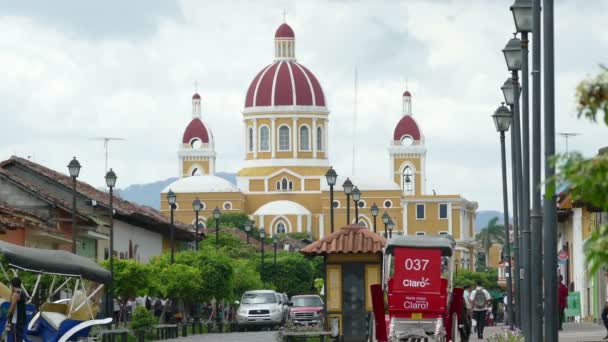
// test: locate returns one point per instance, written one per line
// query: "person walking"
(15, 319)
(562, 300)
(480, 300)
(605, 317)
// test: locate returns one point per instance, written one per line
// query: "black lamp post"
(248, 229)
(110, 183)
(348, 189)
(171, 199)
(331, 177)
(390, 226)
(275, 243)
(74, 169)
(217, 214)
(356, 198)
(502, 120)
(374, 214)
(262, 236)
(385, 220)
(456, 263)
(197, 205)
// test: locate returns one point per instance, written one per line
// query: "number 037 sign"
(417, 270)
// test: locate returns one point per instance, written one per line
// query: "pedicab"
(417, 283)
(64, 320)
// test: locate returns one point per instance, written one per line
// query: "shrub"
(143, 321)
(506, 336)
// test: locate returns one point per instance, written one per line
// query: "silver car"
(259, 308)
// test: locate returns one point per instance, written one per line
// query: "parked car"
(259, 308)
(306, 310)
(284, 301)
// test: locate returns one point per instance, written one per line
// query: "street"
(258, 336)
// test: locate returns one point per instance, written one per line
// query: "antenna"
(355, 120)
(568, 135)
(106, 140)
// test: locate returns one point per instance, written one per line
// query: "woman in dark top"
(15, 322)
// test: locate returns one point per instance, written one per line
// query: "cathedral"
(281, 184)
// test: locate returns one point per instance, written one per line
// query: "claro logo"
(424, 282)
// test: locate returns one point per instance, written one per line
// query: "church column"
(273, 134)
(321, 226)
(299, 223)
(295, 138)
(450, 229)
(404, 209)
(314, 137)
(309, 224)
(326, 140)
(255, 138)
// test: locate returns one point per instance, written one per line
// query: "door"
(354, 316)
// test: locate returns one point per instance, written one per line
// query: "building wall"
(16, 236)
(145, 244)
(185, 214)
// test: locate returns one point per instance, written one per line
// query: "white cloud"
(63, 84)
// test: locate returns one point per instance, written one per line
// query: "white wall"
(145, 243)
(579, 270)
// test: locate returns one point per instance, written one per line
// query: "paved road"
(264, 336)
(573, 332)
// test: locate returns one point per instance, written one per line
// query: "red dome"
(407, 93)
(196, 96)
(285, 83)
(407, 126)
(196, 129)
(284, 31)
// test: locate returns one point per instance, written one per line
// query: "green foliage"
(131, 279)
(245, 277)
(492, 233)
(298, 235)
(232, 220)
(230, 245)
(505, 335)
(596, 249)
(294, 274)
(592, 96)
(143, 320)
(318, 284)
(180, 282)
(588, 178)
(489, 279)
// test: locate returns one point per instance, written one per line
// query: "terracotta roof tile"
(350, 239)
(13, 218)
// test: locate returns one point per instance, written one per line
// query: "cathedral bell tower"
(407, 152)
(196, 152)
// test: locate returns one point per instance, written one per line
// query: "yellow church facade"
(282, 184)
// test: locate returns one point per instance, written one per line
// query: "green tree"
(294, 274)
(488, 278)
(246, 277)
(232, 220)
(492, 233)
(131, 279)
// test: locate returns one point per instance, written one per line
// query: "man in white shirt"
(480, 300)
(467, 296)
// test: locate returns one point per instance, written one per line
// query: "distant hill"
(149, 193)
(484, 216)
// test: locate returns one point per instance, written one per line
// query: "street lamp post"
(74, 169)
(502, 120)
(197, 205)
(507, 90)
(374, 214)
(248, 229)
(385, 220)
(275, 243)
(217, 214)
(390, 226)
(262, 236)
(456, 263)
(110, 183)
(356, 198)
(513, 57)
(348, 189)
(171, 199)
(331, 177)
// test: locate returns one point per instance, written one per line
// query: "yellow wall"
(312, 185)
(185, 214)
(272, 182)
(417, 163)
(334, 288)
(494, 257)
(187, 164)
(256, 185)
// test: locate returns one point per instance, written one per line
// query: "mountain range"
(149, 194)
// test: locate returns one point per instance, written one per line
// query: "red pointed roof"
(407, 126)
(196, 96)
(284, 31)
(196, 129)
(407, 93)
(350, 239)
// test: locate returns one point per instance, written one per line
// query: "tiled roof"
(13, 218)
(121, 207)
(350, 239)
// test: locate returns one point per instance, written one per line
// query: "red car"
(306, 310)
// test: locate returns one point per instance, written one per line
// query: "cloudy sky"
(73, 70)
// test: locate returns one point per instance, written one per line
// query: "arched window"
(290, 185)
(304, 138)
(250, 137)
(264, 138)
(284, 184)
(278, 185)
(196, 143)
(408, 181)
(280, 228)
(319, 138)
(284, 144)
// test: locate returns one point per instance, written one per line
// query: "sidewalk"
(573, 332)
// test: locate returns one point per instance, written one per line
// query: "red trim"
(263, 95)
(251, 90)
(303, 92)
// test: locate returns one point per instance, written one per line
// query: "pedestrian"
(605, 316)
(562, 300)
(15, 319)
(480, 300)
(466, 295)
(158, 308)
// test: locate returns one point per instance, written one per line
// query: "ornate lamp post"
(111, 183)
(197, 205)
(390, 226)
(385, 220)
(374, 214)
(331, 177)
(171, 199)
(356, 198)
(275, 243)
(248, 229)
(74, 169)
(348, 189)
(262, 236)
(217, 214)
